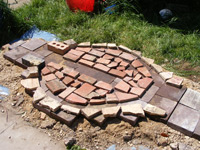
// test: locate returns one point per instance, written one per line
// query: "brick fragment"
(117, 73)
(101, 67)
(111, 98)
(97, 101)
(66, 92)
(134, 109)
(71, 57)
(113, 64)
(84, 44)
(71, 109)
(113, 52)
(67, 70)
(144, 71)
(58, 47)
(88, 79)
(55, 86)
(90, 113)
(125, 97)
(76, 84)
(129, 72)
(175, 81)
(85, 89)
(127, 79)
(96, 53)
(55, 65)
(49, 77)
(137, 77)
(75, 99)
(133, 84)
(137, 91)
(83, 49)
(89, 57)
(74, 74)
(136, 64)
(30, 84)
(109, 57)
(103, 61)
(86, 62)
(122, 86)
(117, 59)
(59, 75)
(45, 71)
(68, 80)
(111, 111)
(101, 92)
(121, 68)
(104, 85)
(50, 103)
(145, 82)
(128, 56)
(53, 70)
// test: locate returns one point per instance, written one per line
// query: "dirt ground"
(154, 135)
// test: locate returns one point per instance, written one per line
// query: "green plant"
(74, 147)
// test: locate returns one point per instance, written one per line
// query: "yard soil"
(147, 132)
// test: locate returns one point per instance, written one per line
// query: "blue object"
(165, 14)
(111, 147)
(4, 91)
(142, 148)
(110, 9)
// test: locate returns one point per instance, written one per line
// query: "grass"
(162, 43)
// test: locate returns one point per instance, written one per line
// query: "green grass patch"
(161, 43)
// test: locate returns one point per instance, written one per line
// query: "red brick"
(117, 59)
(122, 86)
(175, 81)
(66, 92)
(124, 97)
(86, 62)
(135, 72)
(67, 70)
(123, 63)
(83, 49)
(101, 92)
(89, 57)
(49, 77)
(58, 47)
(55, 86)
(76, 84)
(77, 53)
(133, 84)
(85, 89)
(45, 71)
(111, 98)
(113, 52)
(101, 49)
(101, 67)
(75, 99)
(97, 101)
(128, 56)
(121, 68)
(96, 53)
(53, 70)
(136, 64)
(71, 57)
(137, 77)
(109, 57)
(104, 85)
(88, 79)
(129, 72)
(55, 65)
(137, 91)
(74, 74)
(117, 73)
(103, 61)
(113, 64)
(144, 71)
(59, 75)
(145, 82)
(68, 80)
(127, 79)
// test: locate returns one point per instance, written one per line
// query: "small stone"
(30, 84)
(42, 115)
(153, 110)
(110, 111)
(127, 136)
(48, 124)
(166, 75)
(50, 103)
(162, 142)
(69, 141)
(38, 95)
(71, 109)
(174, 146)
(134, 109)
(90, 113)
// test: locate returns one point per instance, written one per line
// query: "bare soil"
(154, 135)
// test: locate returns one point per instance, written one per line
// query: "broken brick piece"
(86, 62)
(59, 75)
(117, 73)
(109, 57)
(83, 49)
(67, 70)
(53, 70)
(117, 59)
(85, 89)
(103, 61)
(125, 97)
(75, 99)
(55, 65)
(127, 79)
(122, 86)
(111, 98)
(101, 67)
(50, 103)
(121, 68)
(128, 56)
(113, 52)
(45, 71)
(104, 85)
(55, 86)
(111, 111)
(90, 113)
(76, 84)
(101, 92)
(74, 74)
(133, 84)
(137, 91)
(113, 64)
(137, 77)
(129, 72)
(49, 77)
(123, 63)
(66, 92)
(71, 57)
(97, 101)
(175, 81)
(88, 79)
(96, 53)
(136, 64)
(89, 57)
(68, 80)
(145, 82)
(144, 71)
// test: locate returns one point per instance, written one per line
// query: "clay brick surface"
(133, 84)
(101, 67)
(86, 62)
(55, 65)
(145, 82)
(68, 80)
(127, 79)
(76, 84)
(136, 64)
(74, 74)
(137, 77)
(88, 79)
(66, 92)
(97, 101)
(53, 70)
(101, 92)
(84, 44)
(77, 53)
(89, 57)
(49, 77)
(33, 44)
(117, 73)
(59, 75)
(75, 99)
(125, 97)
(90, 113)
(84, 49)
(58, 47)
(71, 57)
(72, 44)
(144, 71)
(45, 71)
(103, 61)
(109, 57)
(113, 64)
(121, 68)
(175, 81)
(113, 52)
(55, 86)
(122, 86)
(129, 72)
(85, 89)
(117, 59)
(96, 53)
(111, 98)
(128, 56)
(67, 70)
(104, 85)
(111, 111)
(137, 91)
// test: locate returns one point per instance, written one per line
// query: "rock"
(153, 110)
(50, 103)
(42, 115)
(19, 101)
(38, 95)
(48, 124)
(127, 136)
(182, 146)
(162, 142)
(110, 111)
(174, 146)
(69, 141)
(165, 14)
(33, 72)
(30, 84)
(135, 109)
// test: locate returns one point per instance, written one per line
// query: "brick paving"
(99, 80)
